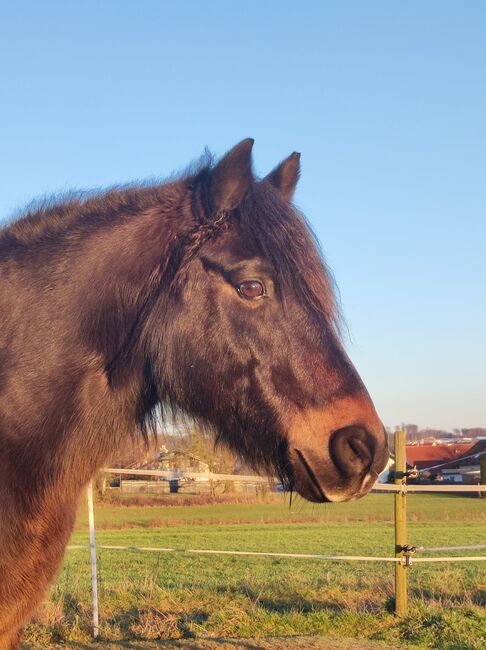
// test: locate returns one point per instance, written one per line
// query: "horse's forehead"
(236, 243)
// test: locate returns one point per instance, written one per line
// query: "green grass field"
(149, 596)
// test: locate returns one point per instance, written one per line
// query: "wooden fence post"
(482, 473)
(401, 594)
(92, 549)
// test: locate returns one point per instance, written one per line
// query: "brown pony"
(206, 294)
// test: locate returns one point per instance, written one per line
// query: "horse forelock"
(283, 235)
(286, 239)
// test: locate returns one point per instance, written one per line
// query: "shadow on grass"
(431, 596)
(292, 602)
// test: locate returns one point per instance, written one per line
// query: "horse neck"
(124, 267)
(75, 315)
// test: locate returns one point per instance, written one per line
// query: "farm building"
(465, 469)
(459, 463)
(425, 456)
(181, 464)
(385, 476)
(179, 460)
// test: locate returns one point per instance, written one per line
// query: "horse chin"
(305, 482)
(319, 494)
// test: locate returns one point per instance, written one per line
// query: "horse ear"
(285, 176)
(232, 177)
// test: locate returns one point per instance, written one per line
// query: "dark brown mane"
(60, 216)
(54, 216)
(284, 235)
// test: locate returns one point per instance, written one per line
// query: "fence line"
(449, 548)
(198, 551)
(412, 487)
(469, 558)
(245, 478)
(172, 474)
(304, 556)
(404, 554)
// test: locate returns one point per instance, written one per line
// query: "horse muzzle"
(337, 464)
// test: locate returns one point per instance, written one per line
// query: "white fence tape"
(172, 474)
(307, 556)
(412, 487)
(304, 556)
(244, 478)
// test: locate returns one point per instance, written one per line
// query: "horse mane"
(53, 215)
(283, 233)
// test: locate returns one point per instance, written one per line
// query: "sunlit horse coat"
(207, 294)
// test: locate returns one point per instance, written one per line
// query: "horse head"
(246, 338)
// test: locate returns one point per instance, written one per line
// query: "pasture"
(152, 596)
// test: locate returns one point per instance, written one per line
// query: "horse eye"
(251, 289)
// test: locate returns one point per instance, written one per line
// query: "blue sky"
(386, 100)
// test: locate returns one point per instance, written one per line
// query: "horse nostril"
(352, 450)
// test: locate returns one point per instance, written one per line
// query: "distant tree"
(475, 432)
(183, 433)
(219, 458)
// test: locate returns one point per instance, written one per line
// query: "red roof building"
(424, 456)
